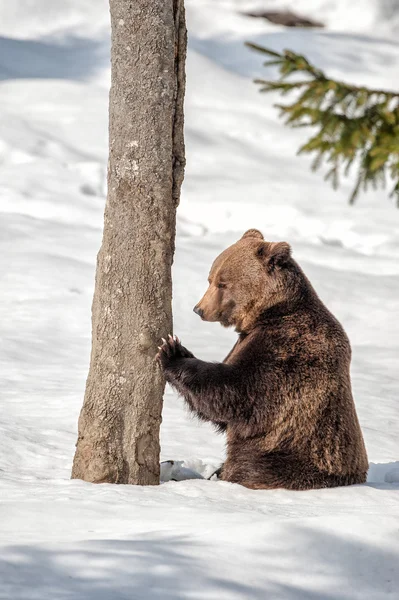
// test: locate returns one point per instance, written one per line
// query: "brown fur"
(283, 394)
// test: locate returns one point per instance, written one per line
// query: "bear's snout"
(198, 311)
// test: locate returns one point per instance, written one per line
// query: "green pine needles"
(354, 125)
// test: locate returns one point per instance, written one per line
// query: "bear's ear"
(253, 233)
(275, 254)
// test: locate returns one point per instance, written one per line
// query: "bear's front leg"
(173, 359)
(170, 357)
(215, 391)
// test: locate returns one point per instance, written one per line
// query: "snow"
(194, 538)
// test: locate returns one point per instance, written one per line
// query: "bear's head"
(248, 278)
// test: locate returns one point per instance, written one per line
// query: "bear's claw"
(170, 350)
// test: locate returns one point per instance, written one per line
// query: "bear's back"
(304, 421)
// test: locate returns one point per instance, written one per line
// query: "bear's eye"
(221, 286)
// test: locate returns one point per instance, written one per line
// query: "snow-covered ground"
(196, 539)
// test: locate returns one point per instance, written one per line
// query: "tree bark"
(118, 438)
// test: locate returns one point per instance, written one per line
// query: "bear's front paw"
(171, 350)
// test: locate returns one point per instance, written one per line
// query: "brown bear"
(283, 394)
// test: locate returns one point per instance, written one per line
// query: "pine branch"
(355, 124)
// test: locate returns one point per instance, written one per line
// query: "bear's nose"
(198, 311)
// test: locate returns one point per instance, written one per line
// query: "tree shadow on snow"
(322, 565)
(327, 50)
(74, 58)
(157, 567)
(303, 564)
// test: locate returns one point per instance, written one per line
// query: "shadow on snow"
(73, 58)
(309, 565)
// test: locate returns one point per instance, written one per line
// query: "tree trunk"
(118, 438)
